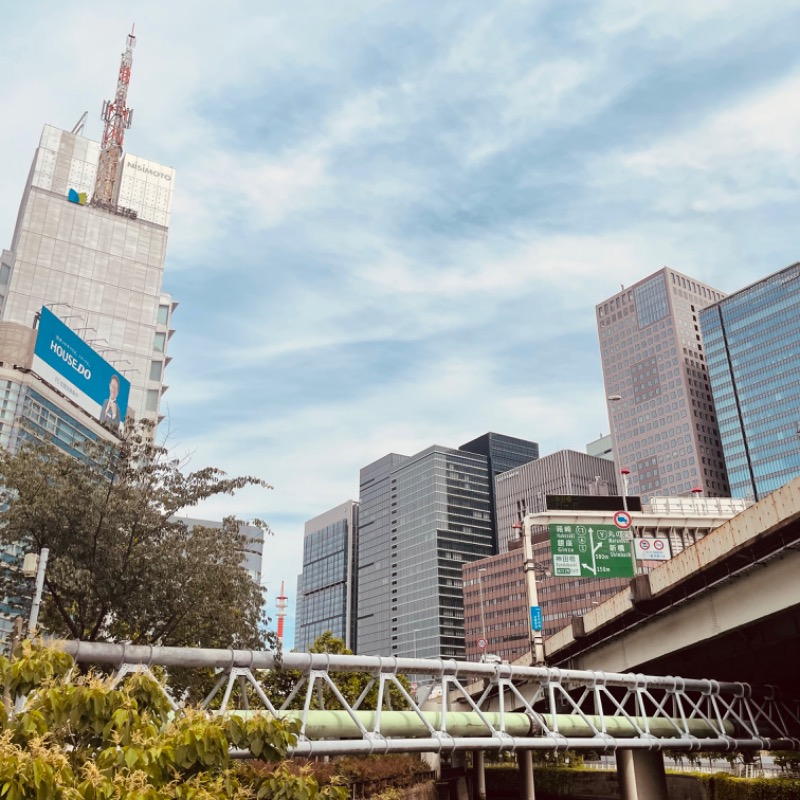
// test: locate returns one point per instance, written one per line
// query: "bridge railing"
(473, 706)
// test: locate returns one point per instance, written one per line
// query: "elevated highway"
(727, 606)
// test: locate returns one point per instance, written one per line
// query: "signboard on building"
(590, 551)
(591, 502)
(656, 549)
(68, 364)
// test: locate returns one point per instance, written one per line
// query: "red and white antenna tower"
(117, 118)
(281, 602)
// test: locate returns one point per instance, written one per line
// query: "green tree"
(121, 567)
(84, 739)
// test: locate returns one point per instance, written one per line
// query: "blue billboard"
(68, 364)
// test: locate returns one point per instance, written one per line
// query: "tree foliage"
(121, 567)
(85, 739)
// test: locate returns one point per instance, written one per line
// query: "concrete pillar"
(641, 775)
(525, 761)
(479, 775)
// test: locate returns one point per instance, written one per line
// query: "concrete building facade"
(752, 342)
(523, 490)
(98, 266)
(602, 447)
(663, 423)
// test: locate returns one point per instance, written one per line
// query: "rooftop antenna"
(117, 118)
(80, 124)
(281, 602)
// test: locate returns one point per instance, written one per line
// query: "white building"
(98, 266)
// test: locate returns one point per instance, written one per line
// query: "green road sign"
(591, 551)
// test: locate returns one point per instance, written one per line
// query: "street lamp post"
(613, 399)
(37, 571)
(536, 641)
(483, 618)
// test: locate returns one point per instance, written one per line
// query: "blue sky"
(393, 219)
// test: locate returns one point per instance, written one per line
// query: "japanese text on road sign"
(591, 551)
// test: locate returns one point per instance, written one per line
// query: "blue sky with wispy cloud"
(393, 219)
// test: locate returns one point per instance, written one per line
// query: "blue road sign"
(536, 618)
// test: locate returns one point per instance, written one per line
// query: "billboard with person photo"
(68, 364)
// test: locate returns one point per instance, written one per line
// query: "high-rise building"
(503, 453)
(326, 588)
(601, 447)
(422, 517)
(90, 244)
(752, 340)
(253, 553)
(84, 323)
(524, 490)
(663, 423)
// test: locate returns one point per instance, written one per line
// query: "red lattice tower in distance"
(117, 118)
(281, 602)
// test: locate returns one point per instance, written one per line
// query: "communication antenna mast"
(281, 602)
(117, 118)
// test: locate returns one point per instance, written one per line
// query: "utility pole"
(536, 640)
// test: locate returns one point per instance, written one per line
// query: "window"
(151, 402)
(163, 315)
(156, 370)
(160, 342)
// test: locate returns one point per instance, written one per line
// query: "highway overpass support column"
(641, 775)
(478, 775)
(525, 761)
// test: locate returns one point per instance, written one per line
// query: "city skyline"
(392, 227)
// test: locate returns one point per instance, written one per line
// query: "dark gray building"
(422, 517)
(503, 453)
(752, 340)
(326, 589)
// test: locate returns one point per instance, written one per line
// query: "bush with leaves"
(87, 739)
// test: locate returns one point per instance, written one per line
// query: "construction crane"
(117, 118)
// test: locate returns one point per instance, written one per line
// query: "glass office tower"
(327, 585)
(503, 453)
(753, 350)
(422, 517)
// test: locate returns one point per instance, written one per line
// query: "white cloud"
(742, 157)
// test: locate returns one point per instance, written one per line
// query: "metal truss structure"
(471, 706)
